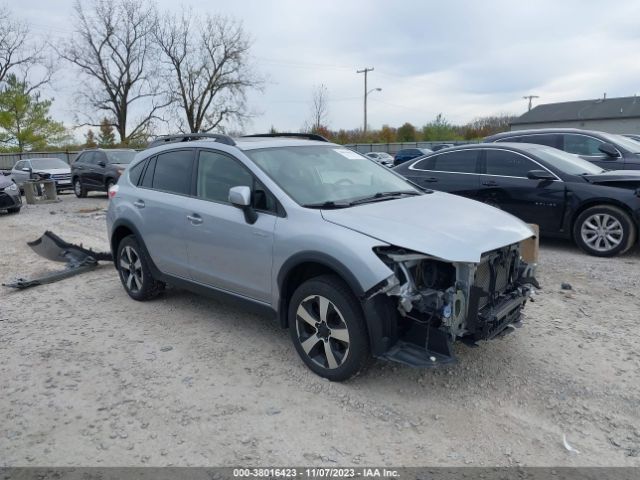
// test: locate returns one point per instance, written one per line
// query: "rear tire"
(78, 189)
(14, 210)
(604, 231)
(327, 328)
(134, 272)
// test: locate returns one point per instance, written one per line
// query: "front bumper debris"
(77, 259)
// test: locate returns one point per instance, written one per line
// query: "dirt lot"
(91, 377)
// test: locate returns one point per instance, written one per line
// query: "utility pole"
(365, 71)
(530, 97)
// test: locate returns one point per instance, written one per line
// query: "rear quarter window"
(135, 172)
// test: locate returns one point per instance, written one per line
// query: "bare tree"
(207, 70)
(319, 107)
(113, 47)
(17, 53)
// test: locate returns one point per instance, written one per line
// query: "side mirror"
(540, 175)
(26, 169)
(609, 150)
(102, 164)
(241, 197)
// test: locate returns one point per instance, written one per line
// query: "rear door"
(454, 172)
(95, 175)
(162, 200)
(504, 184)
(225, 251)
(82, 167)
(587, 147)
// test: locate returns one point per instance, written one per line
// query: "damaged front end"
(439, 302)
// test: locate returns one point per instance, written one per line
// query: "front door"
(588, 147)
(504, 183)
(225, 251)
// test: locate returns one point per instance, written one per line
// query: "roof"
(600, 109)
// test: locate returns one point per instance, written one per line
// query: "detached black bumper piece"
(77, 259)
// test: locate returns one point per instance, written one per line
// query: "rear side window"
(582, 145)
(173, 172)
(462, 161)
(508, 164)
(135, 172)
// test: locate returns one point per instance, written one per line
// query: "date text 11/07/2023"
(315, 473)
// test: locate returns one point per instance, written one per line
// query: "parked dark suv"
(607, 150)
(99, 169)
(407, 154)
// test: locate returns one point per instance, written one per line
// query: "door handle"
(490, 183)
(430, 179)
(139, 203)
(195, 219)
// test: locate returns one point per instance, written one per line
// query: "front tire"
(327, 328)
(78, 189)
(14, 210)
(134, 272)
(604, 231)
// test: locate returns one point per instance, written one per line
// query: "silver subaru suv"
(354, 260)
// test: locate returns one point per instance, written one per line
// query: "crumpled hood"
(616, 178)
(439, 224)
(52, 171)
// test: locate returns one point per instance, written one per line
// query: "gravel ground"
(90, 377)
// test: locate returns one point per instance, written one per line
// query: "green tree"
(438, 130)
(24, 117)
(406, 133)
(387, 134)
(90, 140)
(106, 137)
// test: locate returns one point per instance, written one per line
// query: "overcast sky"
(461, 58)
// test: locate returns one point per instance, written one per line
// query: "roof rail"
(189, 137)
(308, 136)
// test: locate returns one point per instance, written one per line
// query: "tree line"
(138, 68)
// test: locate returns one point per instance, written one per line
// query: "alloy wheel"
(602, 232)
(322, 331)
(77, 188)
(131, 269)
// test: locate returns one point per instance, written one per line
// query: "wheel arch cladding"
(378, 312)
(306, 265)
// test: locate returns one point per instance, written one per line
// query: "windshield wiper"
(380, 196)
(327, 205)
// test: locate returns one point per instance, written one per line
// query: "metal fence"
(395, 147)
(8, 160)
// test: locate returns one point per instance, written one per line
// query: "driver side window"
(217, 173)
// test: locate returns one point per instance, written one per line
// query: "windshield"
(566, 162)
(319, 174)
(628, 143)
(124, 156)
(48, 163)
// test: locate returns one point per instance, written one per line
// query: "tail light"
(113, 190)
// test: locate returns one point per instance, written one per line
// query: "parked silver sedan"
(45, 168)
